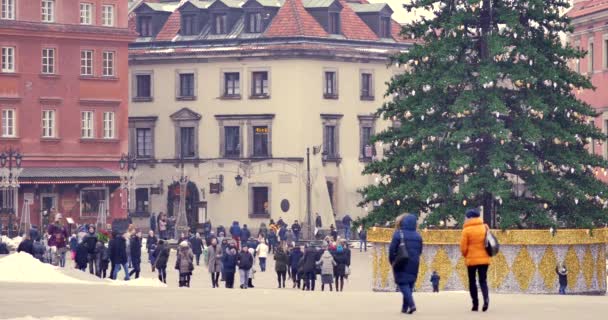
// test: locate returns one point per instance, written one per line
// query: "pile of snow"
(13, 243)
(22, 267)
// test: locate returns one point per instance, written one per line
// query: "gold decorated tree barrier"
(526, 262)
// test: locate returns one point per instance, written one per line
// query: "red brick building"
(590, 21)
(63, 105)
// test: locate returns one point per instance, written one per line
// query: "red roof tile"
(584, 8)
(293, 20)
(172, 26)
(352, 26)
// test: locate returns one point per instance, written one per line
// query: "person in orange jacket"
(477, 260)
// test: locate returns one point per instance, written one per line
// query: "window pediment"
(185, 114)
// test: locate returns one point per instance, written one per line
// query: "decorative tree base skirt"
(526, 262)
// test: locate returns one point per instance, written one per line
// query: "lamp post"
(181, 221)
(10, 169)
(128, 166)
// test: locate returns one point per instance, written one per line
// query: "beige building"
(239, 91)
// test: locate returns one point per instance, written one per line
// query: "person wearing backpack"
(404, 255)
(477, 259)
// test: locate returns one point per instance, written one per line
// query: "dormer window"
(385, 27)
(254, 22)
(144, 26)
(221, 23)
(189, 26)
(334, 23)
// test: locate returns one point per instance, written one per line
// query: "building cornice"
(589, 18)
(143, 119)
(331, 116)
(64, 31)
(267, 116)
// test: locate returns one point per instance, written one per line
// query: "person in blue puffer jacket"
(406, 274)
(235, 232)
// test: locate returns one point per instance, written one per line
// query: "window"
(107, 15)
(8, 59)
(87, 125)
(143, 142)
(8, 123)
(232, 84)
(144, 26)
(189, 25)
(108, 63)
(48, 10)
(86, 63)
(187, 142)
(186, 85)
(48, 123)
(260, 141)
(48, 61)
(91, 201)
(259, 85)
(366, 151)
(143, 85)
(254, 22)
(385, 27)
(221, 24)
(142, 203)
(334, 23)
(260, 200)
(590, 58)
(8, 10)
(86, 13)
(330, 86)
(605, 53)
(329, 141)
(108, 125)
(232, 142)
(367, 91)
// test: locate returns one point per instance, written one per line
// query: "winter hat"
(183, 244)
(472, 213)
(340, 249)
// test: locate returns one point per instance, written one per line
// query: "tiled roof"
(172, 26)
(352, 26)
(293, 20)
(584, 8)
(70, 172)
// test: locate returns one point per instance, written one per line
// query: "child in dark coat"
(562, 273)
(229, 262)
(82, 256)
(435, 281)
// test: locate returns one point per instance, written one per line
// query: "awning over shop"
(68, 175)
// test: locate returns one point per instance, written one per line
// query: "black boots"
(486, 305)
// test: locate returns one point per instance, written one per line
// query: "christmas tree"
(488, 118)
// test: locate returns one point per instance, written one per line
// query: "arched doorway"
(192, 200)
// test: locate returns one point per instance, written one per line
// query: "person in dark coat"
(435, 281)
(104, 255)
(341, 258)
(309, 262)
(283, 234)
(151, 244)
(272, 241)
(161, 257)
(220, 229)
(333, 232)
(294, 257)
(245, 263)
(296, 229)
(280, 266)
(245, 233)
(318, 222)
(135, 248)
(347, 223)
(39, 249)
(153, 222)
(207, 229)
(562, 273)
(235, 232)
(118, 255)
(362, 239)
(229, 262)
(82, 256)
(197, 247)
(26, 245)
(406, 274)
(90, 241)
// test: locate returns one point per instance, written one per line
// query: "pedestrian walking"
(362, 238)
(347, 223)
(58, 237)
(281, 260)
(39, 249)
(118, 255)
(435, 278)
(214, 252)
(235, 232)
(73, 245)
(294, 258)
(135, 248)
(309, 261)
(327, 264)
(229, 262)
(341, 259)
(406, 239)
(104, 260)
(153, 222)
(477, 260)
(82, 256)
(162, 226)
(151, 244)
(272, 241)
(90, 241)
(283, 234)
(245, 263)
(263, 231)
(184, 264)
(296, 228)
(245, 234)
(318, 221)
(562, 273)
(262, 253)
(197, 247)
(161, 257)
(333, 232)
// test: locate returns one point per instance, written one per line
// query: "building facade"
(63, 106)
(239, 91)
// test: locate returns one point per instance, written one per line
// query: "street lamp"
(10, 169)
(128, 165)
(238, 179)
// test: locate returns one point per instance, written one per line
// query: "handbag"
(402, 255)
(491, 243)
